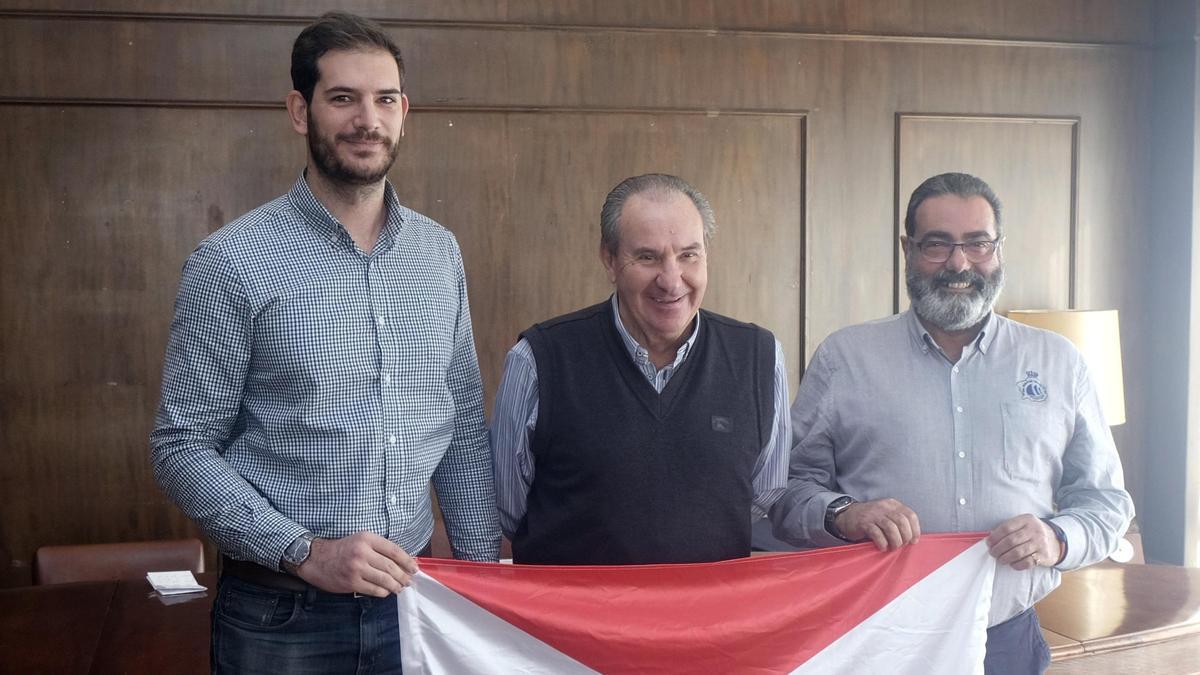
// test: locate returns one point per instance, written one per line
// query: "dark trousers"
(259, 629)
(1016, 647)
(269, 622)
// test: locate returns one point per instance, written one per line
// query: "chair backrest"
(127, 560)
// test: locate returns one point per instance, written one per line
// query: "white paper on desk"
(174, 583)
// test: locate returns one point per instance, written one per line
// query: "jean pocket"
(256, 608)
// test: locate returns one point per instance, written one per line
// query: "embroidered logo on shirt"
(1031, 388)
(722, 424)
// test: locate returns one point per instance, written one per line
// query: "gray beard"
(953, 311)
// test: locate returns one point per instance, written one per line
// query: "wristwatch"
(831, 513)
(296, 553)
(1061, 537)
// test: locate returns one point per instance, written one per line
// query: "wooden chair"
(103, 562)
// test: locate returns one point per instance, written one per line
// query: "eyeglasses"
(940, 250)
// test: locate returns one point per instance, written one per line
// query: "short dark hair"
(959, 184)
(336, 31)
(656, 183)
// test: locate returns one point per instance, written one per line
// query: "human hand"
(886, 522)
(1023, 542)
(363, 563)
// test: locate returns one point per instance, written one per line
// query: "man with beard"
(950, 418)
(321, 372)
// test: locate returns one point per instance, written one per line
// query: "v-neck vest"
(626, 475)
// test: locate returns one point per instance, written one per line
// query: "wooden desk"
(1112, 618)
(104, 627)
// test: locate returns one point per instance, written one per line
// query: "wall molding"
(417, 106)
(897, 37)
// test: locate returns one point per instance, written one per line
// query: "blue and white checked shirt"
(311, 386)
(516, 411)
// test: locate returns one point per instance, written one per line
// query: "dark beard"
(953, 312)
(325, 159)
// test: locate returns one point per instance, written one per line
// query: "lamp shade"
(1097, 335)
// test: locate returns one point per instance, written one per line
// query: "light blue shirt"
(514, 420)
(1013, 427)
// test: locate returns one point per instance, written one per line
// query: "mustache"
(364, 137)
(945, 278)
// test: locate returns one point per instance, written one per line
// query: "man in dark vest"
(642, 429)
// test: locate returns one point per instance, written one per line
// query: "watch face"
(298, 551)
(302, 552)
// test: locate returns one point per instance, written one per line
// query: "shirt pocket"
(1035, 435)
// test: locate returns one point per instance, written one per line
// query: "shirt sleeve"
(463, 479)
(514, 419)
(208, 356)
(1094, 510)
(798, 517)
(771, 469)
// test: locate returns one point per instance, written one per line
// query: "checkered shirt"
(311, 386)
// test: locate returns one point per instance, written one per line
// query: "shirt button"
(961, 454)
(958, 408)
(392, 439)
(380, 320)
(387, 378)
(956, 369)
(962, 501)
(392, 500)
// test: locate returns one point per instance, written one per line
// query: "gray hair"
(959, 184)
(655, 184)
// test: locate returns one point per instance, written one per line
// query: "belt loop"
(310, 597)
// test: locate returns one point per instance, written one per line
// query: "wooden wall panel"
(202, 61)
(198, 61)
(1030, 164)
(108, 202)
(135, 127)
(531, 246)
(1065, 20)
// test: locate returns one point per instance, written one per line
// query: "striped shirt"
(516, 410)
(310, 386)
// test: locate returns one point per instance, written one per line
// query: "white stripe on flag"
(443, 632)
(939, 625)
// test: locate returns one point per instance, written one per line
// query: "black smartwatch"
(1061, 537)
(831, 513)
(296, 553)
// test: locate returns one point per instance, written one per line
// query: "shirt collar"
(924, 341)
(329, 227)
(639, 353)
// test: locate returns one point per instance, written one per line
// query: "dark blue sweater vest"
(625, 475)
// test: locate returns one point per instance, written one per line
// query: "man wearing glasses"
(950, 418)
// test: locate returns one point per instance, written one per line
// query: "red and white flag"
(851, 609)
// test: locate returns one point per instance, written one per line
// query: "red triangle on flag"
(769, 613)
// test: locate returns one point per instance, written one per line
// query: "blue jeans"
(1016, 647)
(256, 629)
